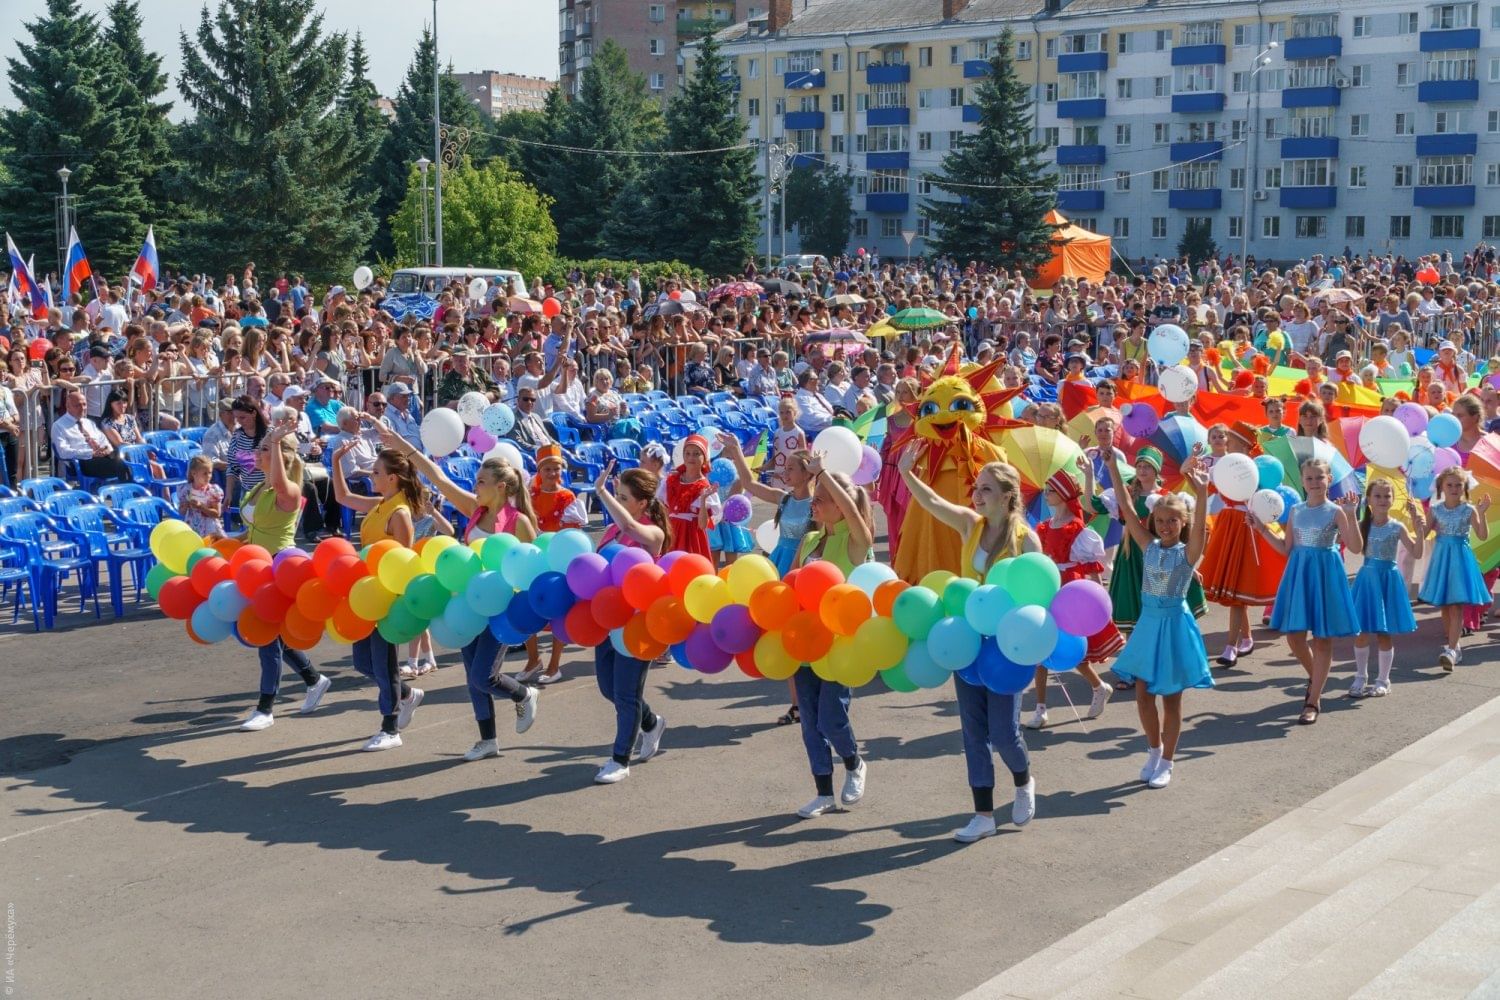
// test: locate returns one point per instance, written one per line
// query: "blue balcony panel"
(800, 80)
(807, 160)
(1080, 201)
(1448, 144)
(888, 116)
(1324, 47)
(1182, 151)
(1450, 196)
(1091, 107)
(900, 73)
(1197, 104)
(1198, 55)
(1310, 97)
(1083, 62)
(1205, 200)
(976, 68)
(971, 113)
(1309, 197)
(1079, 156)
(1439, 91)
(1311, 148)
(796, 121)
(1446, 41)
(888, 202)
(888, 161)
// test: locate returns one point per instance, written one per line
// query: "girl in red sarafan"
(692, 500)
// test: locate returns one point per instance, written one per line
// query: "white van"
(430, 281)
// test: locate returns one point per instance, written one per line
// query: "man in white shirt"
(536, 378)
(114, 314)
(359, 461)
(838, 389)
(97, 370)
(816, 413)
(568, 395)
(398, 415)
(76, 438)
(215, 441)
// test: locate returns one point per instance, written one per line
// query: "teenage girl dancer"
(1314, 593)
(1453, 578)
(1165, 654)
(692, 502)
(640, 521)
(995, 529)
(499, 505)
(1381, 607)
(270, 513)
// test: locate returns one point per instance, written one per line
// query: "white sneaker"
(1038, 718)
(257, 721)
(1382, 688)
(529, 676)
(1458, 655)
(817, 807)
(406, 707)
(1360, 688)
(1153, 761)
(854, 785)
(383, 741)
(1100, 699)
(1447, 658)
(526, 711)
(482, 749)
(611, 772)
(315, 694)
(1024, 806)
(1163, 775)
(651, 742)
(979, 827)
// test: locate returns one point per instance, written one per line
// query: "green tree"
(408, 138)
(357, 102)
(514, 136)
(140, 100)
(998, 183)
(491, 218)
(273, 162)
(1197, 243)
(820, 204)
(67, 89)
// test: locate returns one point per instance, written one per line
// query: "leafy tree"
(357, 101)
(999, 185)
(491, 218)
(820, 204)
(67, 87)
(1197, 243)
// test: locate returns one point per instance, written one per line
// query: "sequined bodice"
(1452, 522)
(1315, 527)
(1167, 572)
(1383, 541)
(795, 515)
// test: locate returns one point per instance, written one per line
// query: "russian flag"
(77, 270)
(43, 285)
(24, 283)
(147, 268)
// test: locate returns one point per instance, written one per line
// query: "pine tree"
(274, 162)
(1000, 186)
(408, 138)
(357, 102)
(66, 88)
(820, 204)
(139, 100)
(1197, 244)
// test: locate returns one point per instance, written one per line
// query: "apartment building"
(652, 33)
(499, 93)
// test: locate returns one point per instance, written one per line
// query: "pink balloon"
(869, 467)
(1445, 458)
(1081, 608)
(480, 439)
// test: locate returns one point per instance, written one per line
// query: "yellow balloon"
(704, 597)
(163, 534)
(434, 548)
(747, 573)
(880, 644)
(398, 568)
(824, 668)
(333, 634)
(841, 658)
(178, 548)
(937, 580)
(369, 599)
(772, 659)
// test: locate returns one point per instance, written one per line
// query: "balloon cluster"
(1410, 441)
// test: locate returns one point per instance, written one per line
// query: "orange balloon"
(685, 570)
(813, 581)
(844, 608)
(316, 601)
(296, 623)
(640, 641)
(226, 547)
(668, 621)
(420, 544)
(303, 642)
(724, 574)
(886, 594)
(805, 637)
(350, 625)
(644, 584)
(256, 630)
(244, 554)
(772, 604)
(376, 552)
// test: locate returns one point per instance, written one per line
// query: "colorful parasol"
(1175, 437)
(1344, 433)
(1038, 452)
(1293, 451)
(1487, 551)
(838, 335)
(734, 290)
(882, 329)
(920, 319)
(1484, 460)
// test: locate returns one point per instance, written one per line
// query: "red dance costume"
(552, 509)
(683, 502)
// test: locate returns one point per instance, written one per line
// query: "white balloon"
(767, 535)
(498, 419)
(507, 452)
(477, 289)
(1177, 384)
(1267, 506)
(1385, 441)
(841, 450)
(363, 277)
(1236, 477)
(1168, 344)
(471, 407)
(442, 432)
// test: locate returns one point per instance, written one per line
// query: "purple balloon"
(668, 558)
(290, 552)
(624, 559)
(587, 575)
(1445, 458)
(733, 630)
(480, 439)
(1081, 607)
(1413, 417)
(737, 509)
(869, 468)
(560, 631)
(704, 654)
(1141, 421)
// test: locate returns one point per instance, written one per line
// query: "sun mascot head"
(958, 418)
(949, 409)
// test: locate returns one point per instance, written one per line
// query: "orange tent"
(1076, 253)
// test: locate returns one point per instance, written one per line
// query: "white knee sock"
(1385, 658)
(1361, 664)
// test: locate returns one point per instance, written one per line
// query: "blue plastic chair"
(716, 398)
(137, 517)
(18, 505)
(41, 489)
(655, 427)
(6, 491)
(103, 537)
(58, 504)
(627, 452)
(51, 558)
(14, 572)
(462, 471)
(74, 471)
(657, 394)
(566, 436)
(182, 451)
(194, 434)
(115, 494)
(138, 457)
(160, 439)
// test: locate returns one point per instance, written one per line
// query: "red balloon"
(343, 573)
(255, 630)
(610, 608)
(250, 576)
(328, 550)
(270, 603)
(551, 307)
(813, 581)
(746, 661)
(178, 598)
(643, 584)
(209, 572)
(38, 348)
(581, 628)
(685, 570)
(293, 573)
(675, 295)
(247, 553)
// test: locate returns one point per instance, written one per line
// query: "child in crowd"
(556, 508)
(1453, 578)
(1381, 606)
(788, 440)
(691, 499)
(199, 501)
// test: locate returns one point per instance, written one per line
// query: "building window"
(1401, 175)
(1085, 135)
(1049, 93)
(1051, 136)
(861, 184)
(924, 56)
(1354, 227)
(924, 186)
(1161, 133)
(1122, 134)
(1084, 41)
(1446, 171)
(1401, 224)
(778, 107)
(955, 55)
(836, 143)
(1492, 222)
(1307, 173)
(1309, 73)
(1312, 227)
(1492, 175)
(955, 138)
(1406, 123)
(886, 139)
(1164, 40)
(1237, 130)
(1125, 42)
(861, 103)
(752, 108)
(1049, 48)
(1361, 27)
(1158, 227)
(1236, 178)
(924, 140)
(1359, 76)
(1406, 23)
(1447, 227)
(861, 60)
(658, 47)
(1447, 16)
(890, 228)
(1359, 125)
(658, 81)
(836, 62)
(1454, 64)
(1309, 123)
(888, 95)
(1272, 179)
(1270, 227)
(836, 103)
(1202, 131)
(1403, 75)
(924, 99)
(924, 226)
(1494, 70)
(1160, 180)
(1202, 175)
(1078, 179)
(752, 69)
(808, 103)
(1236, 227)
(1078, 86)
(1023, 50)
(1122, 180)
(1161, 86)
(1195, 79)
(1124, 88)
(1357, 177)
(1315, 26)
(1448, 121)
(1121, 229)
(1492, 120)
(1203, 33)
(861, 226)
(1271, 128)
(955, 97)
(656, 12)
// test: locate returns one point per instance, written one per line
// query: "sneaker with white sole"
(1099, 700)
(1153, 761)
(482, 749)
(383, 741)
(1024, 806)
(979, 827)
(408, 707)
(1361, 688)
(611, 772)
(1163, 775)
(854, 785)
(526, 710)
(315, 694)
(1447, 658)
(817, 807)
(1382, 688)
(256, 721)
(651, 741)
(1038, 718)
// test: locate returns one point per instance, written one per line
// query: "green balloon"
(996, 576)
(544, 539)
(495, 548)
(956, 596)
(1032, 579)
(426, 597)
(915, 611)
(400, 625)
(895, 678)
(158, 575)
(457, 565)
(199, 556)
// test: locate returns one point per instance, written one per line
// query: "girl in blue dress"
(1381, 607)
(1453, 578)
(1314, 593)
(1164, 655)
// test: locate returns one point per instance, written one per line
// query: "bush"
(556, 273)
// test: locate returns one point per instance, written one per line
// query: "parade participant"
(992, 530)
(890, 488)
(692, 502)
(555, 507)
(1381, 607)
(786, 440)
(1453, 578)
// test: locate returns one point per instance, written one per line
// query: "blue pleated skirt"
(1165, 649)
(1453, 575)
(784, 555)
(726, 537)
(1314, 595)
(1380, 602)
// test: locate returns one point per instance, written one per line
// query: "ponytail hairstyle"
(861, 498)
(407, 484)
(802, 457)
(1009, 481)
(1454, 472)
(509, 478)
(643, 486)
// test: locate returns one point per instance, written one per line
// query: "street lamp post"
(1252, 146)
(424, 234)
(437, 143)
(774, 149)
(63, 173)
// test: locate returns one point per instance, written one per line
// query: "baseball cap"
(293, 392)
(1447, 345)
(397, 389)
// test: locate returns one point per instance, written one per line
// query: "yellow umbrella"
(883, 329)
(1038, 452)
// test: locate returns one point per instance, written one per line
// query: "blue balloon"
(985, 607)
(999, 674)
(1444, 430)
(524, 619)
(921, 669)
(550, 595)
(1068, 653)
(505, 633)
(569, 544)
(225, 602)
(522, 564)
(1027, 634)
(488, 594)
(208, 626)
(973, 312)
(722, 472)
(463, 620)
(1289, 498)
(952, 643)
(1272, 472)
(609, 551)
(970, 675)
(680, 655)
(617, 640)
(445, 635)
